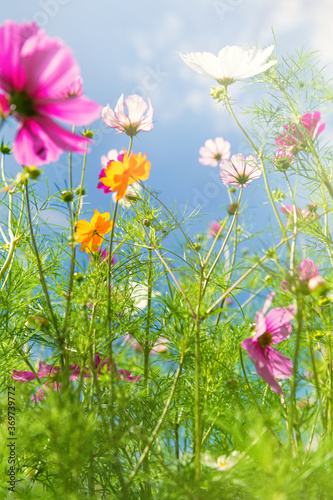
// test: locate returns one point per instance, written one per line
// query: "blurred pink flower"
(213, 229)
(271, 329)
(214, 151)
(304, 273)
(35, 74)
(102, 255)
(238, 170)
(293, 139)
(283, 159)
(51, 371)
(75, 88)
(137, 118)
(303, 214)
(161, 344)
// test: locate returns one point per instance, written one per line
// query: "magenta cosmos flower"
(50, 372)
(135, 120)
(239, 170)
(106, 160)
(293, 139)
(271, 329)
(214, 151)
(37, 75)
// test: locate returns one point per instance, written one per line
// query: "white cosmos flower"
(232, 63)
(133, 193)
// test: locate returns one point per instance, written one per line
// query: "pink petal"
(49, 66)
(74, 110)
(281, 366)
(278, 323)
(268, 302)
(23, 376)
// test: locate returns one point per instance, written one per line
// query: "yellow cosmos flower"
(120, 174)
(91, 234)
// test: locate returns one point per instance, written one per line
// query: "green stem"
(146, 351)
(109, 321)
(159, 423)
(40, 270)
(293, 384)
(197, 420)
(223, 245)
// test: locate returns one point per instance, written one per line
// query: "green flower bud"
(66, 196)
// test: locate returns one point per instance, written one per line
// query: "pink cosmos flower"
(293, 139)
(50, 372)
(35, 74)
(137, 118)
(271, 329)
(303, 276)
(161, 344)
(214, 151)
(112, 155)
(238, 170)
(213, 229)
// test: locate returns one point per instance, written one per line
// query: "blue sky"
(131, 47)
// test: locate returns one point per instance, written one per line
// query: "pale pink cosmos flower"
(293, 139)
(271, 329)
(137, 118)
(239, 170)
(303, 276)
(35, 74)
(161, 344)
(214, 151)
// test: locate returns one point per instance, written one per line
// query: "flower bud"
(233, 208)
(88, 133)
(66, 196)
(5, 149)
(80, 192)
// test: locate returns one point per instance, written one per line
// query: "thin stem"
(247, 381)
(215, 241)
(223, 244)
(293, 242)
(159, 423)
(80, 201)
(109, 321)
(40, 270)
(261, 158)
(293, 383)
(177, 283)
(146, 352)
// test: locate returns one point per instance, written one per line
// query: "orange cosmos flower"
(120, 174)
(91, 234)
